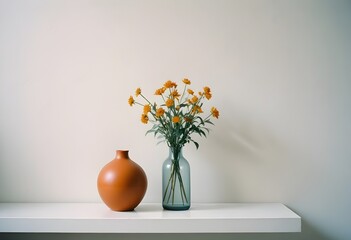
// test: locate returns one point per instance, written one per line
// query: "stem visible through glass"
(169, 193)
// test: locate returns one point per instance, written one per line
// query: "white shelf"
(147, 218)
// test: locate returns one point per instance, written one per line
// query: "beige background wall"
(280, 76)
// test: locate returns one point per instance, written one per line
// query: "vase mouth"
(122, 153)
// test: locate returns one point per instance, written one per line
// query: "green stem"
(169, 181)
(170, 191)
(145, 99)
(182, 95)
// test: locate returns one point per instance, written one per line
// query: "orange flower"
(147, 108)
(131, 101)
(207, 90)
(191, 92)
(169, 102)
(144, 118)
(194, 99)
(169, 84)
(137, 92)
(214, 112)
(186, 81)
(159, 112)
(197, 109)
(175, 94)
(208, 95)
(176, 119)
(188, 119)
(160, 91)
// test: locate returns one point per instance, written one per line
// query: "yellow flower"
(160, 91)
(175, 94)
(214, 112)
(144, 118)
(169, 102)
(159, 112)
(186, 81)
(169, 84)
(175, 119)
(191, 92)
(131, 101)
(137, 92)
(147, 108)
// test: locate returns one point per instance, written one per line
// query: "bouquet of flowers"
(175, 119)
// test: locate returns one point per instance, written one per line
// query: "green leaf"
(209, 122)
(160, 142)
(202, 132)
(196, 144)
(149, 131)
(154, 107)
(208, 130)
(202, 121)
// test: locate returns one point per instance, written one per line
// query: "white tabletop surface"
(147, 218)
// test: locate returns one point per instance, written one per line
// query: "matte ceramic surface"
(122, 183)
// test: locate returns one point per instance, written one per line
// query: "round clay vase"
(122, 183)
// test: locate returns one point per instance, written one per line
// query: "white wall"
(280, 76)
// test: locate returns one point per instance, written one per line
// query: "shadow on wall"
(255, 153)
(254, 172)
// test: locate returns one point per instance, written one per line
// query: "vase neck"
(122, 154)
(176, 153)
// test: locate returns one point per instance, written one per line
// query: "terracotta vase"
(122, 183)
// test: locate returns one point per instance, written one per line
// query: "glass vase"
(176, 181)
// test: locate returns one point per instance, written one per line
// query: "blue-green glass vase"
(176, 181)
